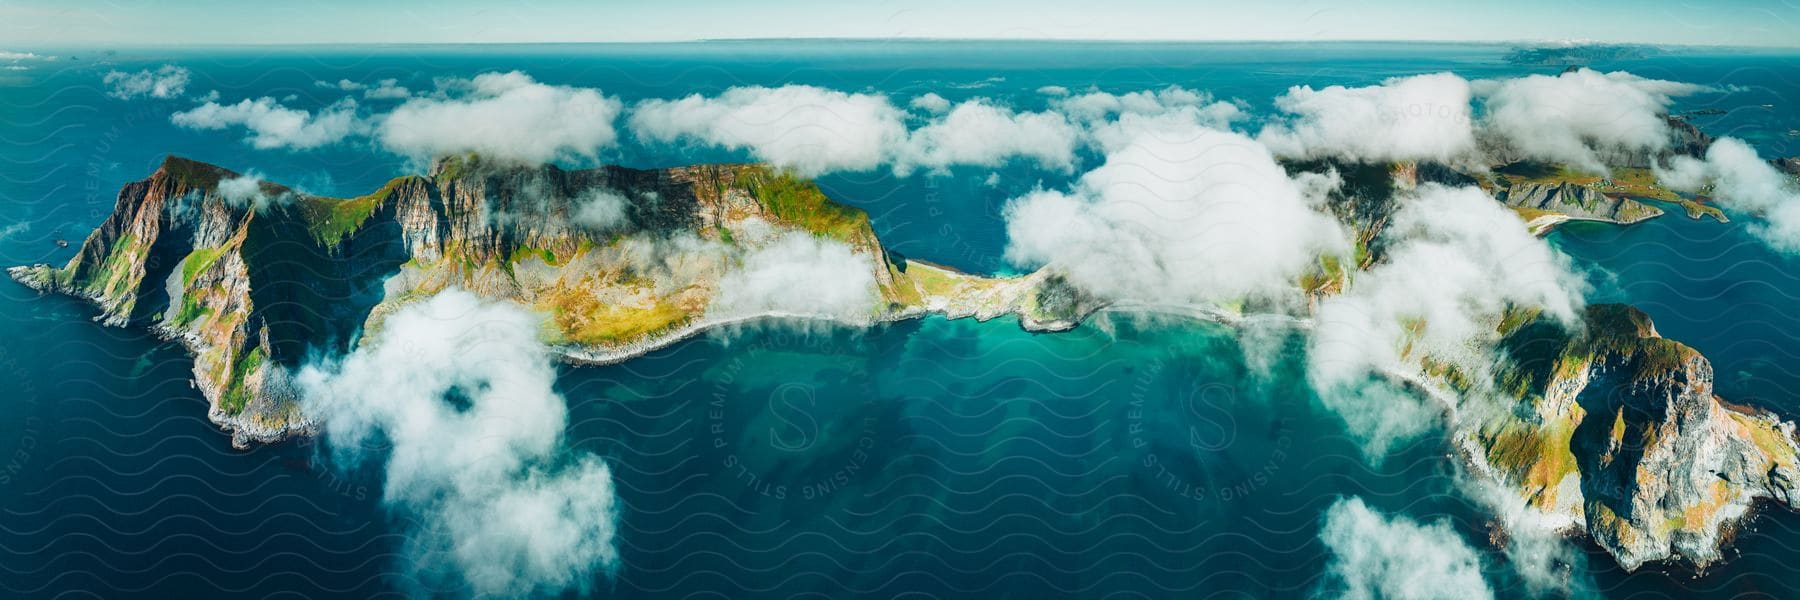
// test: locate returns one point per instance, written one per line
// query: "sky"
(49, 23)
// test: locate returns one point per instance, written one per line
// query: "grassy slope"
(799, 202)
(330, 220)
(1625, 181)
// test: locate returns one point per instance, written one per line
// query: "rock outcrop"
(255, 278)
(1575, 202)
(1789, 165)
(1688, 140)
(1617, 432)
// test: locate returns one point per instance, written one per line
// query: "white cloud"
(1425, 117)
(798, 273)
(485, 479)
(1584, 118)
(18, 56)
(1053, 90)
(931, 103)
(1178, 213)
(814, 131)
(271, 125)
(247, 191)
(243, 189)
(1375, 556)
(678, 261)
(387, 89)
(342, 84)
(601, 210)
(504, 116)
(167, 81)
(808, 129)
(1743, 181)
(977, 132)
(1097, 107)
(1455, 261)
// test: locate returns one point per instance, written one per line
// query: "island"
(252, 286)
(1612, 430)
(1579, 54)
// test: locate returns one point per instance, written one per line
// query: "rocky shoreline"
(580, 355)
(244, 430)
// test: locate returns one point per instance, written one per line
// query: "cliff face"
(625, 260)
(216, 274)
(1688, 140)
(1617, 430)
(1577, 202)
(254, 277)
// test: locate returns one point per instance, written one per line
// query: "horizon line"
(1516, 43)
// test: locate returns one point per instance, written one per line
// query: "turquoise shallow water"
(932, 458)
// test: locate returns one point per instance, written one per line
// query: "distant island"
(1615, 433)
(1579, 54)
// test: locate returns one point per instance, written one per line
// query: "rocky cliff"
(1616, 431)
(1687, 140)
(244, 289)
(1570, 202)
(1789, 165)
(254, 277)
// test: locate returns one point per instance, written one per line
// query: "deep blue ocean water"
(928, 459)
